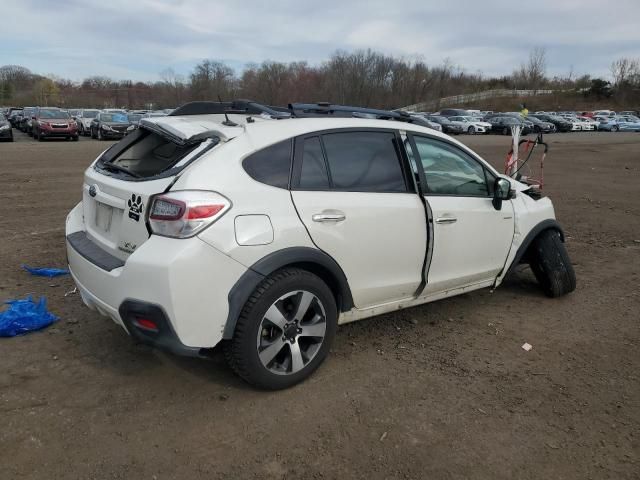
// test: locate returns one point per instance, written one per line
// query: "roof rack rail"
(240, 107)
(325, 108)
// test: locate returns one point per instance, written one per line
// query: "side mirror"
(501, 191)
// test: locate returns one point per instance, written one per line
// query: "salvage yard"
(442, 391)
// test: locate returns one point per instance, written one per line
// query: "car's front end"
(57, 128)
(5, 129)
(113, 130)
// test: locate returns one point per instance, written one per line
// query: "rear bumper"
(187, 280)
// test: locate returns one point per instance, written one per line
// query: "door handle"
(446, 220)
(329, 217)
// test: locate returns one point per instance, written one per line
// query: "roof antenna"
(227, 122)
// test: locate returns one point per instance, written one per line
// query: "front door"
(471, 238)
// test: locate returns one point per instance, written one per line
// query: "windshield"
(52, 113)
(114, 117)
(90, 113)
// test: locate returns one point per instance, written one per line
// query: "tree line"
(364, 78)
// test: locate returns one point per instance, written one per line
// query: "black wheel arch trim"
(293, 256)
(531, 236)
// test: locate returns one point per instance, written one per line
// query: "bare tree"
(624, 70)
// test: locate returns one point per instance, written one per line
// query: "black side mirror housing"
(501, 191)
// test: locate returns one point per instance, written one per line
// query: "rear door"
(471, 238)
(354, 195)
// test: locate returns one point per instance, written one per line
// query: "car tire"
(615, 128)
(505, 131)
(262, 351)
(551, 264)
(100, 137)
(471, 130)
(75, 138)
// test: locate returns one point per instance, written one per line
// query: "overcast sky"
(137, 39)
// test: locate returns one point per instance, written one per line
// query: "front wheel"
(471, 130)
(615, 128)
(551, 264)
(284, 331)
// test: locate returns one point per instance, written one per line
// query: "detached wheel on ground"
(284, 331)
(551, 265)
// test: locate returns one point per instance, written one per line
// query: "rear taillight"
(185, 213)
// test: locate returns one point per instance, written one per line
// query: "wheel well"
(327, 277)
(523, 250)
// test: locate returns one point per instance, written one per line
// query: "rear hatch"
(118, 187)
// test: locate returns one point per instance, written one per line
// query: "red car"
(53, 122)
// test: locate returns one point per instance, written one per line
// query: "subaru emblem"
(93, 190)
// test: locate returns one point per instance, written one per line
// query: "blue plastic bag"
(45, 272)
(24, 316)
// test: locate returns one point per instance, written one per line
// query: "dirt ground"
(442, 391)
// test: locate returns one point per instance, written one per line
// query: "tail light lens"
(185, 213)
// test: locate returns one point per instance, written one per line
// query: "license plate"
(103, 216)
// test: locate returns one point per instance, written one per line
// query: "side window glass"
(270, 165)
(450, 171)
(364, 162)
(314, 171)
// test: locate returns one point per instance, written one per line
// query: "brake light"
(185, 213)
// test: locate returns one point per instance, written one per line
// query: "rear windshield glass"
(146, 154)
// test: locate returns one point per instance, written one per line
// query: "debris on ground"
(24, 316)
(45, 272)
(71, 292)
(526, 347)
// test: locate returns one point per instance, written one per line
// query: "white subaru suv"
(264, 229)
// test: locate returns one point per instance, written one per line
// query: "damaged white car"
(264, 229)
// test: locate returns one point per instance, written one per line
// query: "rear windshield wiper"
(117, 168)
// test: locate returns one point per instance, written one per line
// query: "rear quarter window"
(271, 165)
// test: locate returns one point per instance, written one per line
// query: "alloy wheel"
(291, 332)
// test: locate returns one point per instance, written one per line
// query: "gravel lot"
(442, 391)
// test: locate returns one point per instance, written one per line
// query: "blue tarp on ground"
(45, 272)
(24, 316)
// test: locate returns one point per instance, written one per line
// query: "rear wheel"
(284, 331)
(551, 264)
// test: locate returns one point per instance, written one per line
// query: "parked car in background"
(53, 123)
(504, 123)
(447, 126)
(74, 112)
(626, 123)
(604, 113)
(109, 125)
(155, 113)
(539, 126)
(84, 119)
(588, 123)
(632, 113)
(26, 123)
(471, 125)
(6, 133)
(560, 123)
(15, 115)
(429, 123)
(454, 112)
